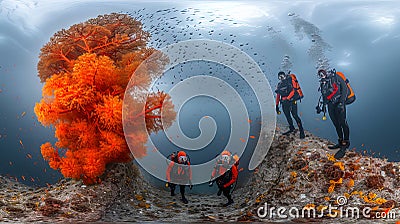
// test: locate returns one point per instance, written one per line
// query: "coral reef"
(123, 196)
(375, 181)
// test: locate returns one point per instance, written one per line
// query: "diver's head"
(182, 157)
(322, 74)
(281, 75)
(225, 157)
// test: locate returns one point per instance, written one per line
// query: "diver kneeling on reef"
(179, 172)
(288, 92)
(336, 92)
(227, 171)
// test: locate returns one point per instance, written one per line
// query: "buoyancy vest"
(286, 86)
(351, 97)
(225, 172)
(180, 171)
(331, 89)
(298, 93)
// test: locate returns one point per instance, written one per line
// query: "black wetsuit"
(337, 105)
(290, 109)
(180, 175)
(226, 180)
(181, 188)
(338, 117)
(227, 193)
(289, 106)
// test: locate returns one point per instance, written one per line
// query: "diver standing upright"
(179, 172)
(336, 93)
(287, 93)
(225, 173)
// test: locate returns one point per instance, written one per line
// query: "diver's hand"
(277, 109)
(318, 109)
(210, 184)
(190, 184)
(341, 106)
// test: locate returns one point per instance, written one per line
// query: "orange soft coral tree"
(85, 71)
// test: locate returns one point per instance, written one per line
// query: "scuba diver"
(336, 93)
(179, 171)
(227, 171)
(288, 92)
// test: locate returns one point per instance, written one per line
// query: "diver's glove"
(211, 183)
(166, 184)
(277, 109)
(318, 108)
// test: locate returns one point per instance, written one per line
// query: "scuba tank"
(172, 157)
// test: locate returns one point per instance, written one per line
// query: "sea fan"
(86, 70)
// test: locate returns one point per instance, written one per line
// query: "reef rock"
(296, 174)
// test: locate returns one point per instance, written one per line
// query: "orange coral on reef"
(85, 71)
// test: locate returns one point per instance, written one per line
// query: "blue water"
(198, 107)
(359, 39)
